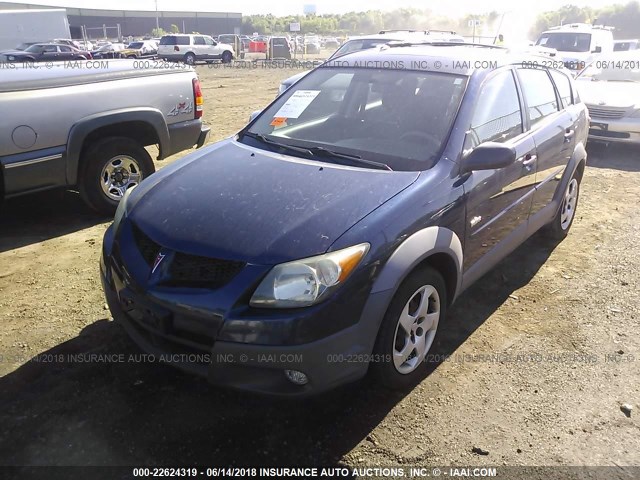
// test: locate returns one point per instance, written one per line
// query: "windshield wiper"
(263, 138)
(325, 152)
(319, 152)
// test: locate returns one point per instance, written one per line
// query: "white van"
(577, 43)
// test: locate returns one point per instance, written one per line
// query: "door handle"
(568, 134)
(528, 160)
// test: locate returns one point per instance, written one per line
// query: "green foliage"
(352, 23)
(158, 32)
(174, 28)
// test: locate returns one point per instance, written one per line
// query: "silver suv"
(194, 48)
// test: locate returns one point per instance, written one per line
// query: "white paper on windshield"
(297, 103)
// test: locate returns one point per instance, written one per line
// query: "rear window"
(174, 40)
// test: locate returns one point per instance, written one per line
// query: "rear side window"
(174, 40)
(497, 116)
(563, 84)
(538, 93)
(198, 41)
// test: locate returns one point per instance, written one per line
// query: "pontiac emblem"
(157, 262)
(602, 102)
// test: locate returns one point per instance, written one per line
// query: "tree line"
(624, 17)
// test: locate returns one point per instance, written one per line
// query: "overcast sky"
(284, 7)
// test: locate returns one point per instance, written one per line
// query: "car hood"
(610, 94)
(14, 52)
(237, 202)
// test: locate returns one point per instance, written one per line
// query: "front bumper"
(624, 130)
(186, 339)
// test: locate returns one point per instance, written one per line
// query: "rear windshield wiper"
(325, 152)
(263, 138)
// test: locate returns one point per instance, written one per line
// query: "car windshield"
(613, 69)
(566, 41)
(227, 38)
(135, 45)
(35, 49)
(392, 117)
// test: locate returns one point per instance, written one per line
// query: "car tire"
(109, 168)
(559, 227)
(227, 56)
(190, 59)
(408, 329)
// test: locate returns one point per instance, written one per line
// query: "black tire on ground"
(227, 56)
(382, 367)
(93, 162)
(190, 59)
(559, 227)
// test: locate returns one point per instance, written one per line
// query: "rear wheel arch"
(146, 127)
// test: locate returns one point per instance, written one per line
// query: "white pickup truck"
(85, 124)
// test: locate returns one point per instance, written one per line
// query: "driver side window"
(497, 116)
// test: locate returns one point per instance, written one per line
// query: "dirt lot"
(532, 365)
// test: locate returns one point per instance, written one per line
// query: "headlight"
(11, 57)
(305, 282)
(121, 211)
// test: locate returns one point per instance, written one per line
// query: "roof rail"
(441, 31)
(568, 26)
(395, 44)
(382, 32)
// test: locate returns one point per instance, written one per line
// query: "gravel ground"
(531, 367)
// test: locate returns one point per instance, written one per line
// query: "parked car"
(235, 41)
(312, 45)
(140, 49)
(364, 42)
(46, 52)
(610, 87)
(331, 43)
(577, 43)
(624, 45)
(110, 50)
(194, 48)
(332, 233)
(97, 145)
(279, 47)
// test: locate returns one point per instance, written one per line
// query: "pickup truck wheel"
(111, 167)
(190, 59)
(561, 223)
(226, 57)
(409, 328)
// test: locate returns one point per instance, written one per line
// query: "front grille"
(606, 112)
(147, 247)
(191, 270)
(187, 270)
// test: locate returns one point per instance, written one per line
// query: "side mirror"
(597, 50)
(488, 156)
(254, 115)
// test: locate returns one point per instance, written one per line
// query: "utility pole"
(157, 21)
